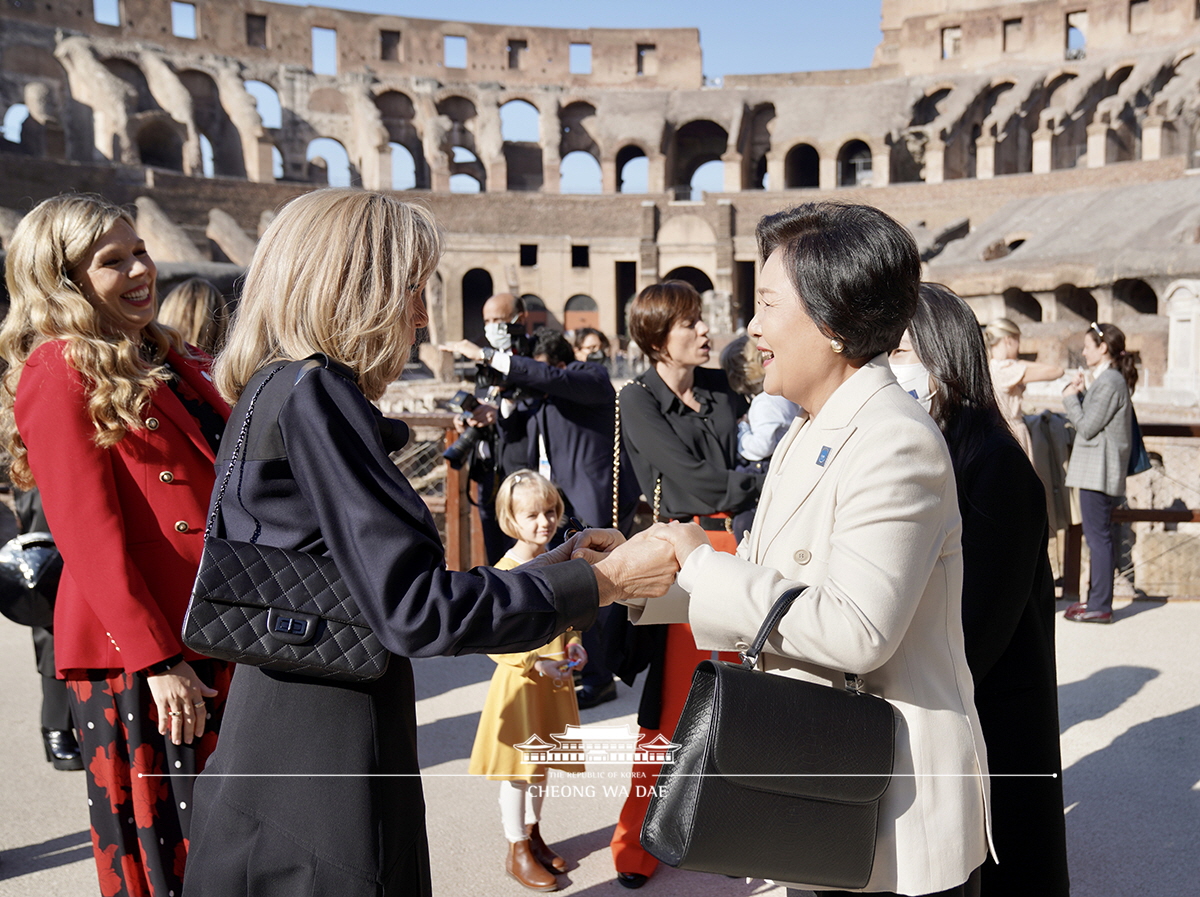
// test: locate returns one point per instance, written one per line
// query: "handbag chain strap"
(616, 461)
(237, 449)
(657, 478)
(854, 683)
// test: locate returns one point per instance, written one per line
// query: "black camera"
(462, 404)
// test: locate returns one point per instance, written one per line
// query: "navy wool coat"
(317, 477)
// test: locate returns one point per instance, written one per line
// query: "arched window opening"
(697, 278)
(1138, 295)
(1074, 302)
(14, 121)
(327, 153)
(696, 144)
(225, 143)
(466, 171)
(404, 169)
(537, 315)
(759, 180)
(581, 311)
(633, 170)
(160, 145)
(708, 178)
(135, 78)
(206, 156)
(519, 122)
(520, 130)
(1021, 306)
(580, 173)
(276, 163)
(267, 100)
(854, 165)
(476, 288)
(802, 167)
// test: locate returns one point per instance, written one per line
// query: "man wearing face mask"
(504, 327)
(564, 430)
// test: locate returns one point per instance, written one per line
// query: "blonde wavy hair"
(1000, 329)
(340, 272)
(199, 311)
(46, 304)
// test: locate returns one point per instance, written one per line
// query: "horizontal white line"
(696, 775)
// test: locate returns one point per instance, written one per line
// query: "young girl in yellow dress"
(532, 693)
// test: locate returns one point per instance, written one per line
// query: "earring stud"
(837, 346)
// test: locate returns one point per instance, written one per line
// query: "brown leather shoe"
(521, 865)
(1078, 613)
(542, 853)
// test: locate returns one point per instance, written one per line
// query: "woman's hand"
(577, 655)
(1075, 386)
(595, 544)
(179, 696)
(644, 567)
(684, 537)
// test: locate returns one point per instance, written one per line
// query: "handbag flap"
(789, 736)
(309, 583)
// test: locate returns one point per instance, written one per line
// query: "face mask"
(914, 380)
(498, 336)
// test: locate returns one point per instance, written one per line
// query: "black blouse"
(694, 452)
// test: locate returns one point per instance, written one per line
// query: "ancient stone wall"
(956, 119)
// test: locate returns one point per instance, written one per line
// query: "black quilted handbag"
(279, 609)
(774, 777)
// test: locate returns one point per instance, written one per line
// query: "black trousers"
(1102, 534)
(56, 711)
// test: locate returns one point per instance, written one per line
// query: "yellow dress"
(521, 704)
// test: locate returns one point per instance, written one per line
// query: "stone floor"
(1130, 707)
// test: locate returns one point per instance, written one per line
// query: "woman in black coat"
(1008, 600)
(315, 787)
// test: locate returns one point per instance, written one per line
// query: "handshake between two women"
(635, 569)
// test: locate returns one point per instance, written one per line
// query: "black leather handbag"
(774, 777)
(283, 610)
(30, 567)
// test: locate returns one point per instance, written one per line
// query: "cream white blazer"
(860, 506)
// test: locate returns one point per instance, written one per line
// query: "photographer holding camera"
(481, 445)
(563, 428)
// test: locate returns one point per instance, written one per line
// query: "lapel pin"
(823, 457)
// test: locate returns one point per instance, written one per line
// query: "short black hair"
(857, 271)
(554, 346)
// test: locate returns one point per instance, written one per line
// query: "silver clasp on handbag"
(854, 684)
(749, 659)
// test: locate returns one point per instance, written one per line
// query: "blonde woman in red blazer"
(117, 422)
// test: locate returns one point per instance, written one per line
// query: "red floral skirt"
(139, 783)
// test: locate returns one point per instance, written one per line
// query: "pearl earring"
(837, 346)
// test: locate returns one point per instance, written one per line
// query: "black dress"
(1008, 622)
(336, 806)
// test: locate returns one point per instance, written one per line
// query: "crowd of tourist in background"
(864, 439)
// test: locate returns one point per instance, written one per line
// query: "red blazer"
(129, 520)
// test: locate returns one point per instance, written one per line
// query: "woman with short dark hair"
(859, 510)
(679, 426)
(1008, 600)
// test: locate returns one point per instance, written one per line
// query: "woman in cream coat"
(860, 506)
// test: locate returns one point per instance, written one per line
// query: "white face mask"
(497, 335)
(914, 380)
